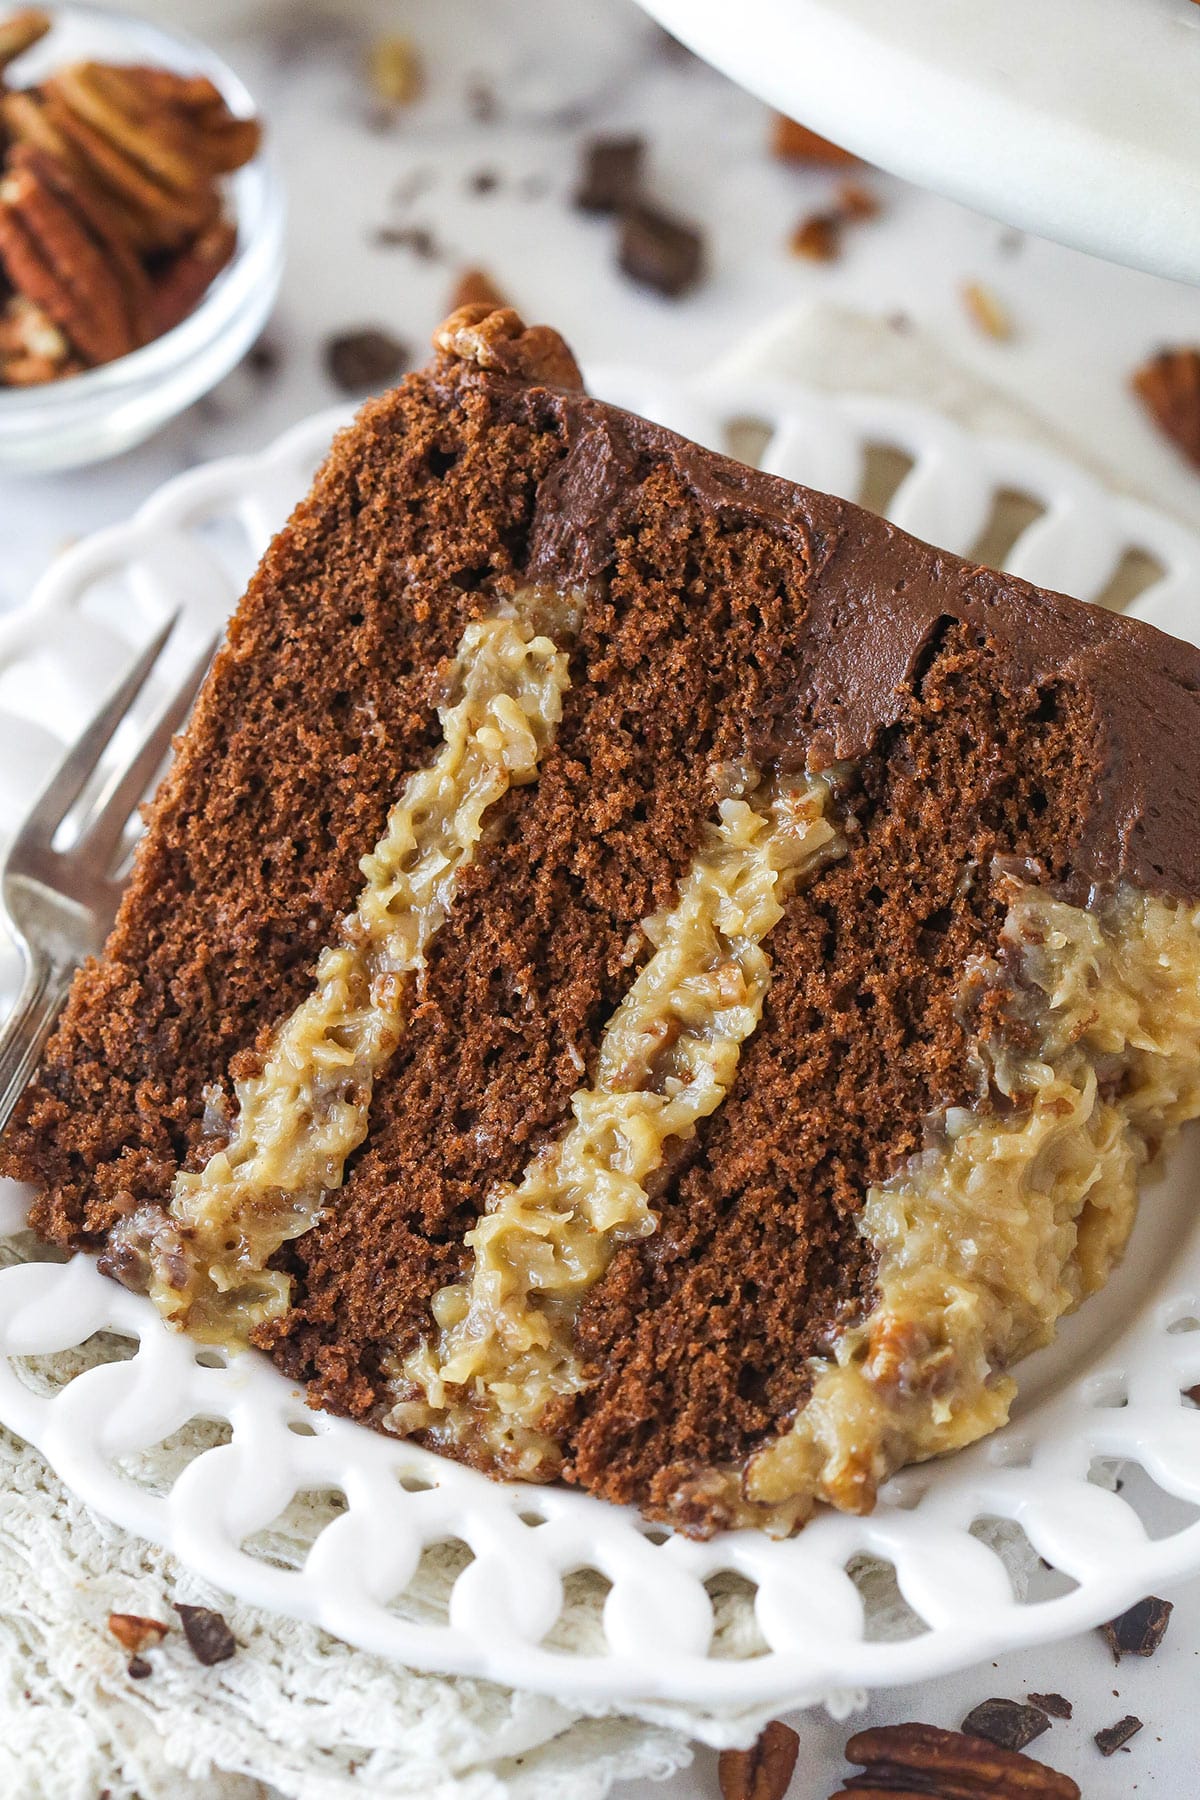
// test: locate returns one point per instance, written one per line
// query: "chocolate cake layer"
(729, 625)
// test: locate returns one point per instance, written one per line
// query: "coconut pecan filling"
(985, 1241)
(502, 1350)
(203, 1261)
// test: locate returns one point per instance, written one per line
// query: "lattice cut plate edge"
(1111, 1389)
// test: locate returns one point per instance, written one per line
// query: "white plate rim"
(657, 1616)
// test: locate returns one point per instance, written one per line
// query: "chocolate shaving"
(1139, 1631)
(1115, 1737)
(138, 1668)
(207, 1633)
(361, 361)
(1007, 1723)
(611, 176)
(1055, 1704)
(660, 252)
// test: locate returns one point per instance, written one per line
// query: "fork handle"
(24, 1033)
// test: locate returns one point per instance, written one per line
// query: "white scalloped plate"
(1111, 1388)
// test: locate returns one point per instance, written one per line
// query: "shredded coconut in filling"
(984, 1243)
(203, 1262)
(502, 1351)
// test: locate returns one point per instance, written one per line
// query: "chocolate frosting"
(877, 602)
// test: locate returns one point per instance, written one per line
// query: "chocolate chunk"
(1006, 1722)
(660, 252)
(361, 361)
(1051, 1703)
(206, 1631)
(1113, 1737)
(1139, 1631)
(139, 1668)
(1192, 1394)
(417, 238)
(611, 175)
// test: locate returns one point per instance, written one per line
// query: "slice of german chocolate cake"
(639, 973)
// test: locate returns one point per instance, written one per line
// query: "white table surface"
(560, 72)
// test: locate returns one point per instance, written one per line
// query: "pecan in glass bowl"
(141, 232)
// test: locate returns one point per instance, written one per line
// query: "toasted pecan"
(764, 1772)
(949, 1765)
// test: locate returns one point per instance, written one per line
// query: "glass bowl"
(85, 418)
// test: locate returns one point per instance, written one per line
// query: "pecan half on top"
(111, 211)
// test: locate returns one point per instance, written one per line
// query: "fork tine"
(103, 832)
(66, 785)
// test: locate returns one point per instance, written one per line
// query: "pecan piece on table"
(1168, 386)
(916, 1760)
(135, 1633)
(20, 31)
(764, 1772)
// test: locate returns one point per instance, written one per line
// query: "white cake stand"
(1075, 119)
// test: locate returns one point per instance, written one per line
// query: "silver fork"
(61, 902)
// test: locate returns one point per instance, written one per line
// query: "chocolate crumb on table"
(764, 1772)
(1139, 1631)
(1054, 1704)
(417, 238)
(1007, 1723)
(363, 360)
(1168, 386)
(660, 252)
(207, 1633)
(611, 175)
(1115, 1737)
